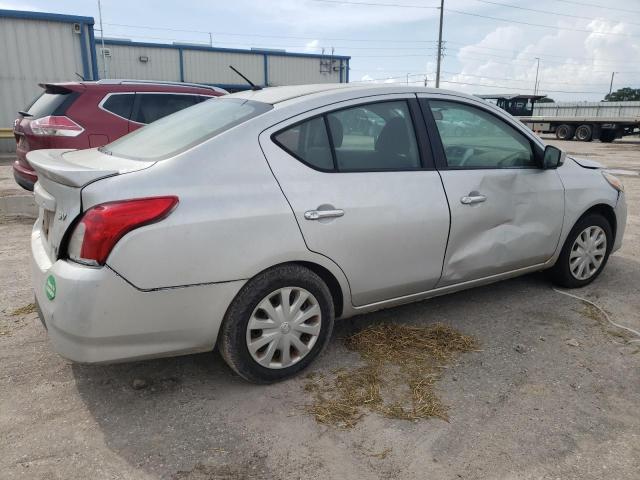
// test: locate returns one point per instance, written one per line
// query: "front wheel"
(585, 252)
(277, 325)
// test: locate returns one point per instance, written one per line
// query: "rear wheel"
(584, 133)
(607, 136)
(585, 252)
(277, 325)
(565, 132)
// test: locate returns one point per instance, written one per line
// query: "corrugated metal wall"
(213, 67)
(300, 70)
(124, 62)
(34, 51)
(588, 109)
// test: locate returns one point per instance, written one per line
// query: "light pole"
(613, 74)
(439, 45)
(535, 85)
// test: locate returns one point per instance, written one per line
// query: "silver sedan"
(254, 220)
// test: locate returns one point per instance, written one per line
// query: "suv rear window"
(184, 129)
(49, 103)
(154, 106)
(120, 104)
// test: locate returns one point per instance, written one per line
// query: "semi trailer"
(584, 121)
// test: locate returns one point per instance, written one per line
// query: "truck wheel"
(608, 136)
(584, 133)
(565, 132)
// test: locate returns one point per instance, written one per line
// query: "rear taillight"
(56, 126)
(102, 226)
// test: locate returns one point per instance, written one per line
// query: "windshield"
(175, 133)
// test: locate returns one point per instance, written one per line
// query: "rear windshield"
(175, 133)
(50, 104)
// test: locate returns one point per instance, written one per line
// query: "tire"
(269, 288)
(584, 133)
(565, 132)
(607, 136)
(561, 273)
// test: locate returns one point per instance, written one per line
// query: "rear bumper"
(24, 176)
(95, 316)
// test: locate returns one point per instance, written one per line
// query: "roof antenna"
(253, 85)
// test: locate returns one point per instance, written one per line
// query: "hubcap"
(284, 327)
(587, 253)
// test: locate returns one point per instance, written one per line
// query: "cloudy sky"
(490, 46)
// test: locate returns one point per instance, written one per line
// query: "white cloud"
(570, 61)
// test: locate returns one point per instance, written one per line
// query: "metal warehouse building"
(46, 47)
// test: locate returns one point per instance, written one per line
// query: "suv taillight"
(102, 226)
(56, 126)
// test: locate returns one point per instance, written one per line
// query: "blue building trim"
(265, 58)
(86, 72)
(47, 17)
(181, 60)
(92, 50)
(218, 49)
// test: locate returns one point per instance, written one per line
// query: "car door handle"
(468, 200)
(318, 214)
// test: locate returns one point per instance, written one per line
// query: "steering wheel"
(509, 160)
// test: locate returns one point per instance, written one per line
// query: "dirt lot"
(554, 392)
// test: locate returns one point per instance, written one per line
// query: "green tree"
(546, 100)
(623, 94)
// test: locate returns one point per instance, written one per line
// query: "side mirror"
(553, 157)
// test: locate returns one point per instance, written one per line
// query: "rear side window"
(309, 142)
(50, 103)
(370, 137)
(120, 104)
(182, 130)
(154, 106)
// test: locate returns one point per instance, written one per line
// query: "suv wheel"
(277, 325)
(585, 252)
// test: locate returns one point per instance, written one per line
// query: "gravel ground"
(553, 393)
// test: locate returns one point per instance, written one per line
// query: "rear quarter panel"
(231, 223)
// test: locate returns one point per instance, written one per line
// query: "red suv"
(79, 115)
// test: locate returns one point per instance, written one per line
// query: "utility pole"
(611, 84)
(210, 40)
(439, 44)
(407, 79)
(104, 56)
(535, 85)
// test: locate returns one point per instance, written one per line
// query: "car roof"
(275, 95)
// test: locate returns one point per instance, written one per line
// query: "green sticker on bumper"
(50, 287)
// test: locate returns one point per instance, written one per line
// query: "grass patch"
(401, 365)
(25, 310)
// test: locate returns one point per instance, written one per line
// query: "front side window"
(376, 136)
(154, 106)
(473, 138)
(184, 129)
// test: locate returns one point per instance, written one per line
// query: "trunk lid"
(61, 176)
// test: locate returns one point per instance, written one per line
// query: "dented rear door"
(506, 212)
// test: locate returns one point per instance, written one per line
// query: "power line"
(546, 12)
(510, 88)
(477, 15)
(235, 34)
(606, 7)
(395, 5)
